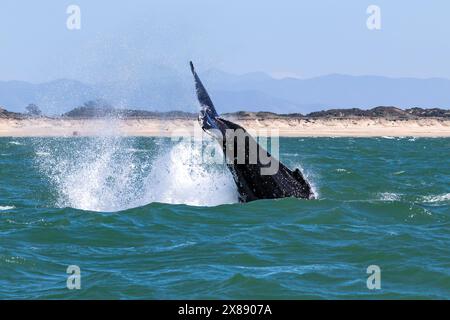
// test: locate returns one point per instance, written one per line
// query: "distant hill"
(98, 112)
(382, 112)
(97, 109)
(102, 109)
(378, 112)
(51, 96)
(4, 114)
(326, 92)
(165, 89)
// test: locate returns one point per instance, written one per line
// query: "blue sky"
(282, 38)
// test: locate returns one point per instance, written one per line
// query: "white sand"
(430, 127)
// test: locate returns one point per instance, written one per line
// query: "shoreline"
(286, 127)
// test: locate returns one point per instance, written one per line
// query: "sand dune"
(429, 127)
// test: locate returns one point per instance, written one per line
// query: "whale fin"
(251, 182)
(208, 114)
(203, 96)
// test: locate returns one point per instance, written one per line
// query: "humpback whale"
(249, 163)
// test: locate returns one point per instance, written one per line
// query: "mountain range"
(168, 89)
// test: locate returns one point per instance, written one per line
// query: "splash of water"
(179, 176)
(105, 174)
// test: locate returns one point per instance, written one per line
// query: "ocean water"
(142, 218)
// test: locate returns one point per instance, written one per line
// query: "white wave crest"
(4, 208)
(389, 196)
(437, 198)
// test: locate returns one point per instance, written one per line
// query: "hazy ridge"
(167, 90)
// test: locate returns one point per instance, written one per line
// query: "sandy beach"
(295, 127)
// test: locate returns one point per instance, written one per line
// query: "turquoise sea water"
(142, 220)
